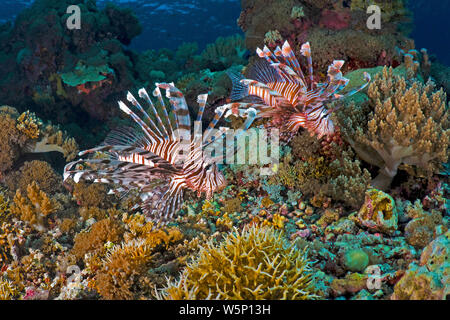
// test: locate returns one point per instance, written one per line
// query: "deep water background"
(432, 27)
(168, 23)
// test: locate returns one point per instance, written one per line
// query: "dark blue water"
(432, 27)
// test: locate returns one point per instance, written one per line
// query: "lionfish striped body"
(289, 98)
(161, 160)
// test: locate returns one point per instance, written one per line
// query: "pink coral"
(335, 20)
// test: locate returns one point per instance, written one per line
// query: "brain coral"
(255, 263)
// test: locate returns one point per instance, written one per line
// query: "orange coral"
(33, 208)
(101, 232)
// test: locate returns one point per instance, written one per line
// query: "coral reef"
(360, 215)
(34, 207)
(48, 73)
(340, 177)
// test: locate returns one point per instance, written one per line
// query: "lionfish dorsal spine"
(157, 93)
(291, 59)
(145, 128)
(179, 105)
(135, 103)
(306, 52)
(201, 99)
(167, 129)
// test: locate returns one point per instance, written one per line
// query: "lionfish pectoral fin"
(240, 90)
(162, 210)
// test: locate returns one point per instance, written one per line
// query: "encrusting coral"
(405, 122)
(255, 263)
(423, 227)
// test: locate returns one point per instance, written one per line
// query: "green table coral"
(84, 73)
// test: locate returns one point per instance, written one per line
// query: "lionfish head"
(214, 180)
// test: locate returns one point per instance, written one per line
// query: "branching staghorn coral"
(256, 263)
(407, 123)
(7, 290)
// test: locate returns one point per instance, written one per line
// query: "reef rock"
(430, 279)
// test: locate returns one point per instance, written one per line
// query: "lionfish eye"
(208, 166)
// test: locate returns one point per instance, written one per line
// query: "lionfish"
(280, 91)
(151, 160)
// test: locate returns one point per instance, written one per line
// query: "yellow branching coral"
(8, 234)
(138, 228)
(209, 209)
(29, 124)
(7, 290)
(93, 241)
(408, 124)
(4, 205)
(255, 263)
(225, 222)
(34, 207)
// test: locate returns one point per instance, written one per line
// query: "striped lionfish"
(280, 91)
(151, 161)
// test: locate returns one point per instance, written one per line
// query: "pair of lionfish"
(285, 95)
(150, 160)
